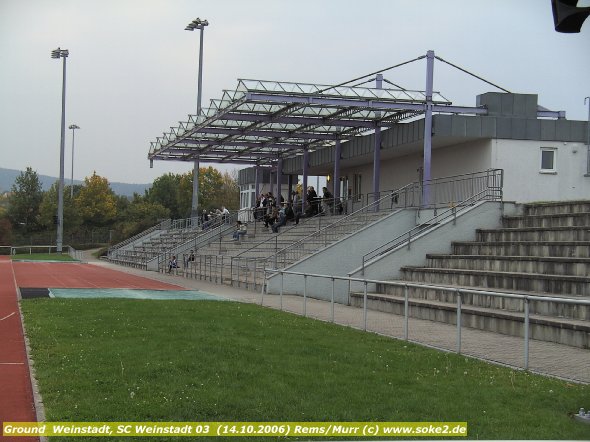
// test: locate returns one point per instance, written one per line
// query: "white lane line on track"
(6, 317)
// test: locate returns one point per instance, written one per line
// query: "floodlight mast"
(61, 53)
(197, 24)
(73, 127)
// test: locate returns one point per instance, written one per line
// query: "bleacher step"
(564, 331)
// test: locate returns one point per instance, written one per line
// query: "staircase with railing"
(242, 263)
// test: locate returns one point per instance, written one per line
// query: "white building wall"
(467, 157)
(523, 179)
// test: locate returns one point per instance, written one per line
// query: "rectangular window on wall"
(548, 160)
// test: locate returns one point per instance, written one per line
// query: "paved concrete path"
(544, 357)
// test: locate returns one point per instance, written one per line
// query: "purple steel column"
(271, 186)
(377, 148)
(195, 198)
(290, 186)
(305, 166)
(428, 129)
(279, 179)
(588, 128)
(257, 181)
(337, 155)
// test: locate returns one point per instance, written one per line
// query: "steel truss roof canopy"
(260, 121)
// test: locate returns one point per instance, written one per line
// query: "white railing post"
(406, 311)
(305, 295)
(281, 294)
(459, 301)
(332, 300)
(526, 333)
(263, 284)
(365, 308)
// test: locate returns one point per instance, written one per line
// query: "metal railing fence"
(48, 249)
(448, 191)
(458, 293)
(406, 238)
(454, 191)
(215, 232)
(163, 225)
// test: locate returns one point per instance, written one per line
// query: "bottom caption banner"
(209, 429)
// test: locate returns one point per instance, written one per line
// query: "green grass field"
(128, 360)
(42, 257)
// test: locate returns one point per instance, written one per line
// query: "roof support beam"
(428, 127)
(268, 133)
(318, 121)
(377, 150)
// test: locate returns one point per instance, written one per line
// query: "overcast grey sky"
(132, 68)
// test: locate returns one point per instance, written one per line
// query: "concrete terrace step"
(535, 234)
(555, 207)
(532, 282)
(569, 332)
(446, 293)
(558, 220)
(518, 264)
(577, 249)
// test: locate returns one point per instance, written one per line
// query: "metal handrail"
(274, 238)
(410, 195)
(221, 226)
(341, 221)
(458, 291)
(158, 226)
(407, 194)
(488, 194)
(167, 224)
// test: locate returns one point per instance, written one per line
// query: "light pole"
(73, 127)
(197, 24)
(61, 53)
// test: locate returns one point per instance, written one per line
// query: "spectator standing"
(328, 200)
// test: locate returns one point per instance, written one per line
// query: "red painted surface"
(16, 395)
(77, 275)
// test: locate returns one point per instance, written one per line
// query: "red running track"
(77, 275)
(16, 394)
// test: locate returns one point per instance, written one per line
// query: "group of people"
(275, 212)
(173, 262)
(213, 217)
(265, 202)
(321, 205)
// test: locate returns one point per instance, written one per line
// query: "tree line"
(28, 210)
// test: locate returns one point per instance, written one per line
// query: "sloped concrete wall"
(342, 257)
(485, 215)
